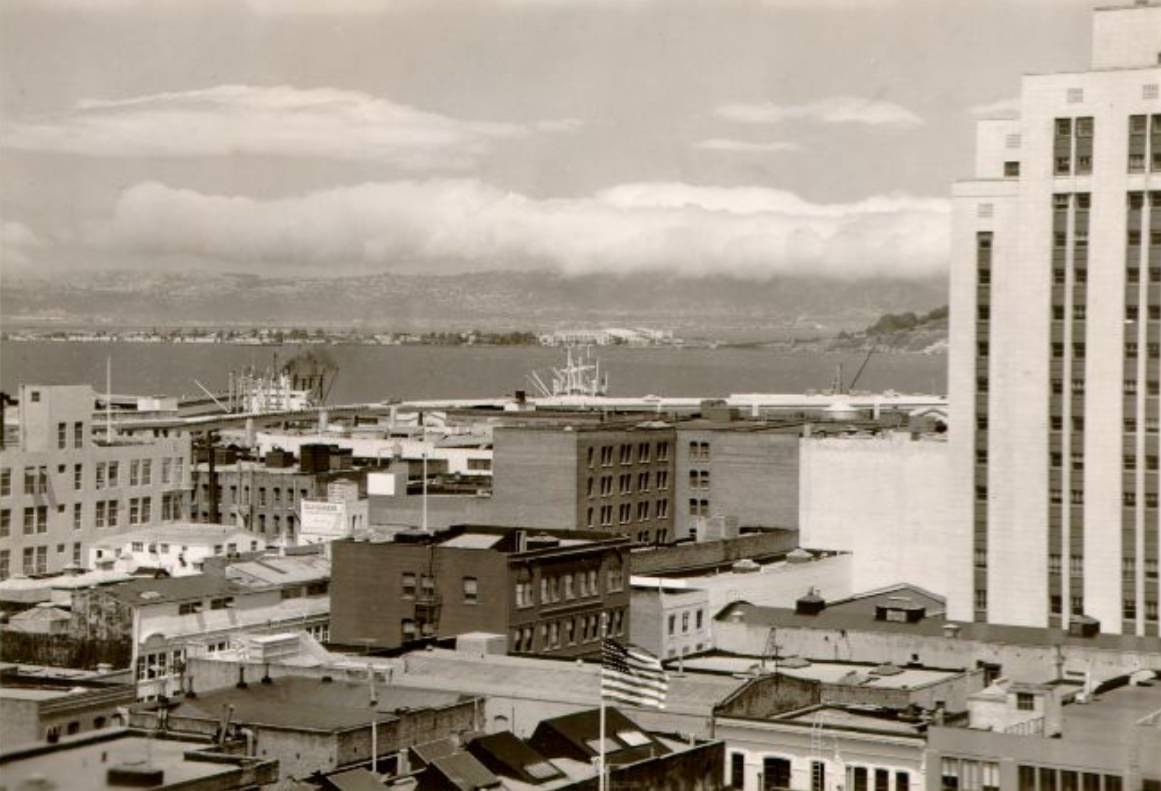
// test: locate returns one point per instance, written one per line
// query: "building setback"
(546, 591)
(1055, 351)
(61, 488)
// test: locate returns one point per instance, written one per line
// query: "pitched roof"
(354, 780)
(626, 742)
(509, 756)
(464, 772)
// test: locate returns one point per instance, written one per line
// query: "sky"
(694, 138)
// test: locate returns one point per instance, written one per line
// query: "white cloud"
(746, 146)
(459, 224)
(1001, 108)
(277, 120)
(16, 241)
(832, 110)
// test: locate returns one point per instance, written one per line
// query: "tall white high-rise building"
(1055, 339)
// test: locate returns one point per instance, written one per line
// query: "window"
(407, 628)
(949, 774)
(882, 780)
(408, 585)
(134, 472)
(146, 472)
(112, 475)
(1025, 701)
(5, 482)
(817, 776)
(78, 434)
(662, 509)
(76, 516)
(738, 771)
(471, 590)
(685, 622)
(776, 774)
(1011, 169)
(672, 624)
(62, 435)
(5, 522)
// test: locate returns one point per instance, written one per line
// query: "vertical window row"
(1142, 358)
(1144, 143)
(1073, 146)
(1070, 226)
(984, 245)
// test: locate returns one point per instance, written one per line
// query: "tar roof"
(310, 704)
(1110, 716)
(79, 764)
(847, 673)
(183, 533)
(281, 570)
(931, 626)
(464, 772)
(141, 592)
(625, 740)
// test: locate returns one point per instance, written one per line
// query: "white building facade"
(1055, 336)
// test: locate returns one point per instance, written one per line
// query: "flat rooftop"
(1108, 718)
(853, 673)
(82, 763)
(858, 613)
(180, 533)
(850, 717)
(311, 704)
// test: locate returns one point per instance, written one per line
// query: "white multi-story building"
(178, 550)
(1055, 336)
(62, 486)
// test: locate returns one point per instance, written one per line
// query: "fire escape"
(427, 599)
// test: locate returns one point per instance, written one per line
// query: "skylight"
(633, 738)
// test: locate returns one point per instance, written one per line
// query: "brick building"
(544, 590)
(61, 487)
(266, 496)
(745, 471)
(613, 477)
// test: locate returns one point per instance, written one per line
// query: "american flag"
(631, 675)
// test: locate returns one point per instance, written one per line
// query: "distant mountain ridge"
(500, 300)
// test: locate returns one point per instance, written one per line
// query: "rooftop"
(1108, 718)
(280, 570)
(311, 704)
(858, 613)
(862, 674)
(172, 589)
(180, 533)
(82, 763)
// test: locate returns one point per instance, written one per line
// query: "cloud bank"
(832, 110)
(278, 120)
(746, 146)
(452, 225)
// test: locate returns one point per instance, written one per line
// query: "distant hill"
(908, 331)
(501, 300)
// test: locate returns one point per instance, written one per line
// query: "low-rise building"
(39, 707)
(125, 758)
(671, 622)
(1034, 738)
(177, 550)
(265, 497)
(902, 624)
(316, 725)
(518, 691)
(164, 619)
(546, 591)
(62, 486)
(829, 726)
(561, 754)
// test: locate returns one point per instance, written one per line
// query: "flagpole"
(601, 784)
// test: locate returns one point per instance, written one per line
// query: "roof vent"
(137, 775)
(810, 604)
(745, 566)
(1084, 626)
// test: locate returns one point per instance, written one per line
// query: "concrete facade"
(671, 622)
(1055, 349)
(884, 498)
(61, 488)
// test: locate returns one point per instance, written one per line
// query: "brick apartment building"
(265, 497)
(729, 467)
(61, 487)
(613, 477)
(544, 590)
